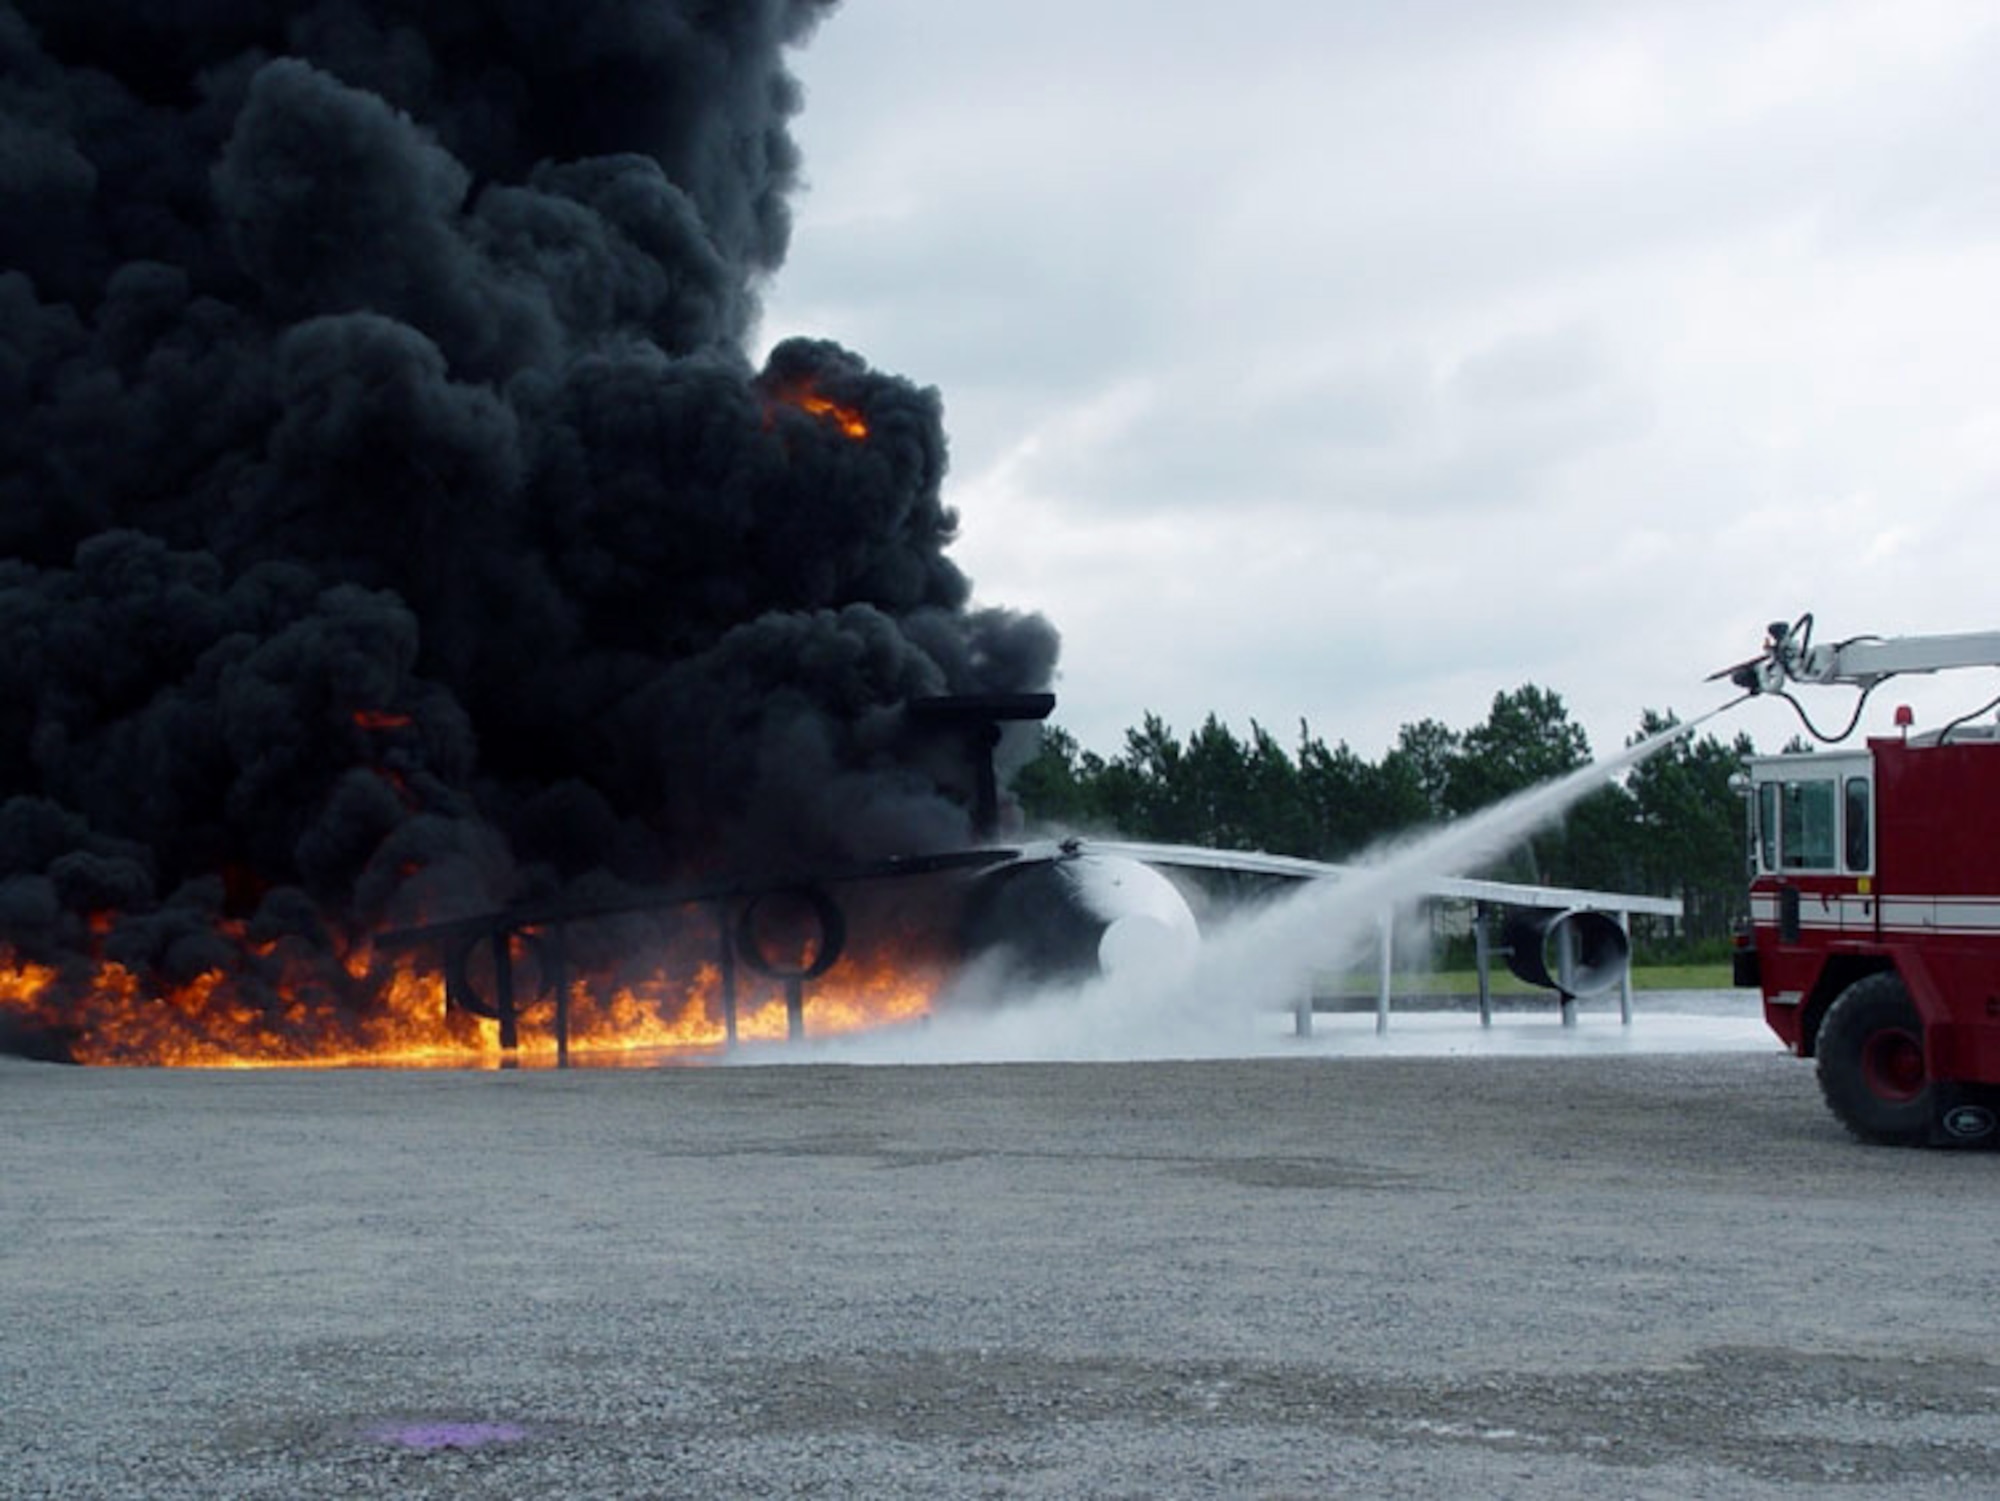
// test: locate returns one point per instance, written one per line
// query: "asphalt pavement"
(1546, 1274)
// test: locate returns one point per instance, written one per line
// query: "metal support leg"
(727, 968)
(1566, 972)
(1302, 1010)
(1386, 924)
(559, 979)
(1625, 974)
(503, 998)
(1482, 960)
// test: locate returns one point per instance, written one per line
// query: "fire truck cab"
(1874, 930)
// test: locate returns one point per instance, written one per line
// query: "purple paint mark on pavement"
(429, 1436)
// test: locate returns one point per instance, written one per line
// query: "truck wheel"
(1871, 1062)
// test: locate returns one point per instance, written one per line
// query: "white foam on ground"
(1433, 1034)
(1671, 1022)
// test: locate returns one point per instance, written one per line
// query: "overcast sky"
(1353, 361)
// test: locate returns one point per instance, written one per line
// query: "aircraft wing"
(1452, 888)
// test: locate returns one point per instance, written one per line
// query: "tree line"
(1672, 826)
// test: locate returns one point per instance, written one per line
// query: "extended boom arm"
(1862, 661)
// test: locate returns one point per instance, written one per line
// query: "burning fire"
(806, 399)
(395, 1013)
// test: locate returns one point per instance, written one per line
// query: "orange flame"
(395, 1014)
(846, 418)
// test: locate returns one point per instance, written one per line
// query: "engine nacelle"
(1575, 950)
(1075, 915)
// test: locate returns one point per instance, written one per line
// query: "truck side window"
(1767, 825)
(1807, 834)
(1859, 843)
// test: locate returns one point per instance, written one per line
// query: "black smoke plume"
(394, 524)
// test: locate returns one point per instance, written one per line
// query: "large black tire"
(1871, 1062)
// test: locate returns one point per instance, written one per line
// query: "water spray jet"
(1256, 962)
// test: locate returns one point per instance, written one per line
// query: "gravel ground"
(1648, 1276)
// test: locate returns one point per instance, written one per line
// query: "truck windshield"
(1808, 824)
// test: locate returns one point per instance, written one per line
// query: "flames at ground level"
(395, 1013)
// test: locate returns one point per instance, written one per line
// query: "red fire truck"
(1874, 929)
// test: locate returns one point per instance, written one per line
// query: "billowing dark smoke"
(394, 525)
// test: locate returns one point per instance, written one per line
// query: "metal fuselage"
(1883, 858)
